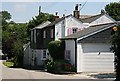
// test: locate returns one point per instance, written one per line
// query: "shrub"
(8, 64)
(56, 49)
(59, 66)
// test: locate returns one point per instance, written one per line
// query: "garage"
(96, 57)
(91, 49)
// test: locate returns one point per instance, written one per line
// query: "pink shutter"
(51, 33)
(71, 32)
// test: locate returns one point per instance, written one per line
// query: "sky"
(24, 11)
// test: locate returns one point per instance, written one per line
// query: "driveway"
(19, 73)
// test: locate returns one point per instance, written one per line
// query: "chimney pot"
(63, 15)
(76, 7)
(56, 13)
(56, 16)
(76, 12)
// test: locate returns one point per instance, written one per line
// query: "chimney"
(63, 15)
(76, 12)
(56, 16)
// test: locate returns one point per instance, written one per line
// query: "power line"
(83, 5)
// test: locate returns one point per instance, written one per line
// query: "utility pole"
(39, 10)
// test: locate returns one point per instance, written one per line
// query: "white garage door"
(96, 57)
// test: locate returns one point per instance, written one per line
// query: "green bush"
(56, 49)
(8, 64)
(59, 66)
(10, 60)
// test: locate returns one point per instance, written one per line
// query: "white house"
(89, 49)
(36, 52)
(47, 32)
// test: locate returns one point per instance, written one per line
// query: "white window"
(74, 30)
(67, 54)
(44, 54)
(31, 36)
(35, 36)
(44, 34)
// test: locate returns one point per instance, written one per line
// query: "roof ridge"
(103, 24)
(93, 16)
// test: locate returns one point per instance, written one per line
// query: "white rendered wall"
(72, 22)
(70, 45)
(102, 20)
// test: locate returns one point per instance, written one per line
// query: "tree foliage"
(56, 49)
(11, 35)
(115, 38)
(14, 36)
(5, 15)
(39, 19)
(113, 9)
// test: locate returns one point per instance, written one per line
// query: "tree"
(113, 9)
(103, 11)
(11, 35)
(5, 15)
(39, 19)
(115, 38)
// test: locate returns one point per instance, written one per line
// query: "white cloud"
(19, 8)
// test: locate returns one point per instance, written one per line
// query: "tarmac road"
(16, 74)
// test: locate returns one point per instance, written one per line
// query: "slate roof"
(85, 16)
(91, 19)
(42, 25)
(48, 23)
(60, 19)
(88, 31)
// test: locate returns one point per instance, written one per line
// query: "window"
(51, 33)
(67, 54)
(44, 34)
(44, 54)
(32, 36)
(35, 36)
(74, 30)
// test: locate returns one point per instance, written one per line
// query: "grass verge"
(8, 64)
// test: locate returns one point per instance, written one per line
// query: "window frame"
(67, 54)
(74, 30)
(44, 54)
(44, 34)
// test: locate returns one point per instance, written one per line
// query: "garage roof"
(90, 31)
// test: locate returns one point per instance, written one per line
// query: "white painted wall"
(27, 56)
(72, 22)
(38, 57)
(58, 32)
(30, 55)
(95, 57)
(70, 45)
(69, 22)
(79, 57)
(102, 20)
